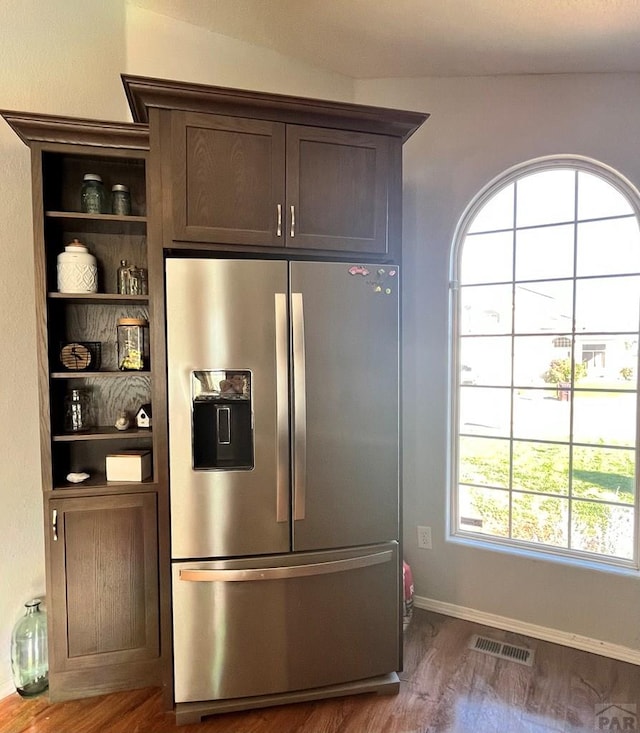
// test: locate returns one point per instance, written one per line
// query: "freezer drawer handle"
(294, 571)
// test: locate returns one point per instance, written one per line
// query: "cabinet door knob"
(279, 224)
(54, 524)
(293, 221)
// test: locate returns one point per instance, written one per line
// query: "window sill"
(545, 555)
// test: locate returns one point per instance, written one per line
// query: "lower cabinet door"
(260, 626)
(103, 604)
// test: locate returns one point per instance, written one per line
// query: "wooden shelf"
(103, 433)
(100, 374)
(97, 484)
(131, 219)
(98, 298)
(106, 224)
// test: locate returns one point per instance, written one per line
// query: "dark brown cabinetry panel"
(104, 577)
(228, 179)
(337, 190)
(228, 183)
(103, 602)
(220, 170)
(249, 182)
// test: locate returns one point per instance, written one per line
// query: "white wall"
(159, 46)
(480, 127)
(66, 58)
(60, 58)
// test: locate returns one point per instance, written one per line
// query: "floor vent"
(519, 654)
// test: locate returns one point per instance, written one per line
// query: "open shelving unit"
(101, 537)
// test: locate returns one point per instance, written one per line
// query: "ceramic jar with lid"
(77, 269)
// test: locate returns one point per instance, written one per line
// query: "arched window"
(545, 328)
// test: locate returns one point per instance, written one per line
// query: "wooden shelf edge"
(98, 486)
(115, 374)
(42, 128)
(130, 219)
(103, 433)
(98, 297)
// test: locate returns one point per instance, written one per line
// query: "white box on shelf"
(129, 465)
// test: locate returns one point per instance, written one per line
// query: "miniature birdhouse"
(143, 416)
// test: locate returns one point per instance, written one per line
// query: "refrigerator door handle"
(300, 408)
(293, 571)
(282, 410)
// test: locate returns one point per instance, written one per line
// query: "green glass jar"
(29, 659)
(120, 200)
(93, 199)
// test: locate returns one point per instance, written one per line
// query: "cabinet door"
(103, 608)
(227, 179)
(337, 190)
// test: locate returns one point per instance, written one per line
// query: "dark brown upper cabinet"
(227, 179)
(267, 173)
(337, 190)
(257, 182)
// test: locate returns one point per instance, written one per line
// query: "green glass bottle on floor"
(29, 660)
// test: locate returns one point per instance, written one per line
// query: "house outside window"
(545, 292)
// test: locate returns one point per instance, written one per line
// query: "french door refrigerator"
(283, 395)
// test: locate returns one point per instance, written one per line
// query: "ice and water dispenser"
(222, 425)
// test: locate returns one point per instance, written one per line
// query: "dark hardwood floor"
(445, 688)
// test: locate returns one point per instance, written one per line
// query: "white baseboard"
(565, 638)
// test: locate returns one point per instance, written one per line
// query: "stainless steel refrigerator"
(283, 389)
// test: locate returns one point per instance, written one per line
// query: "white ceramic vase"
(77, 269)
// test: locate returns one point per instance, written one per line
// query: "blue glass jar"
(29, 658)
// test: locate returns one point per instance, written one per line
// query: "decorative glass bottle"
(124, 278)
(77, 411)
(29, 660)
(134, 280)
(144, 280)
(138, 281)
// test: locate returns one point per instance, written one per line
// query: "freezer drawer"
(291, 622)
